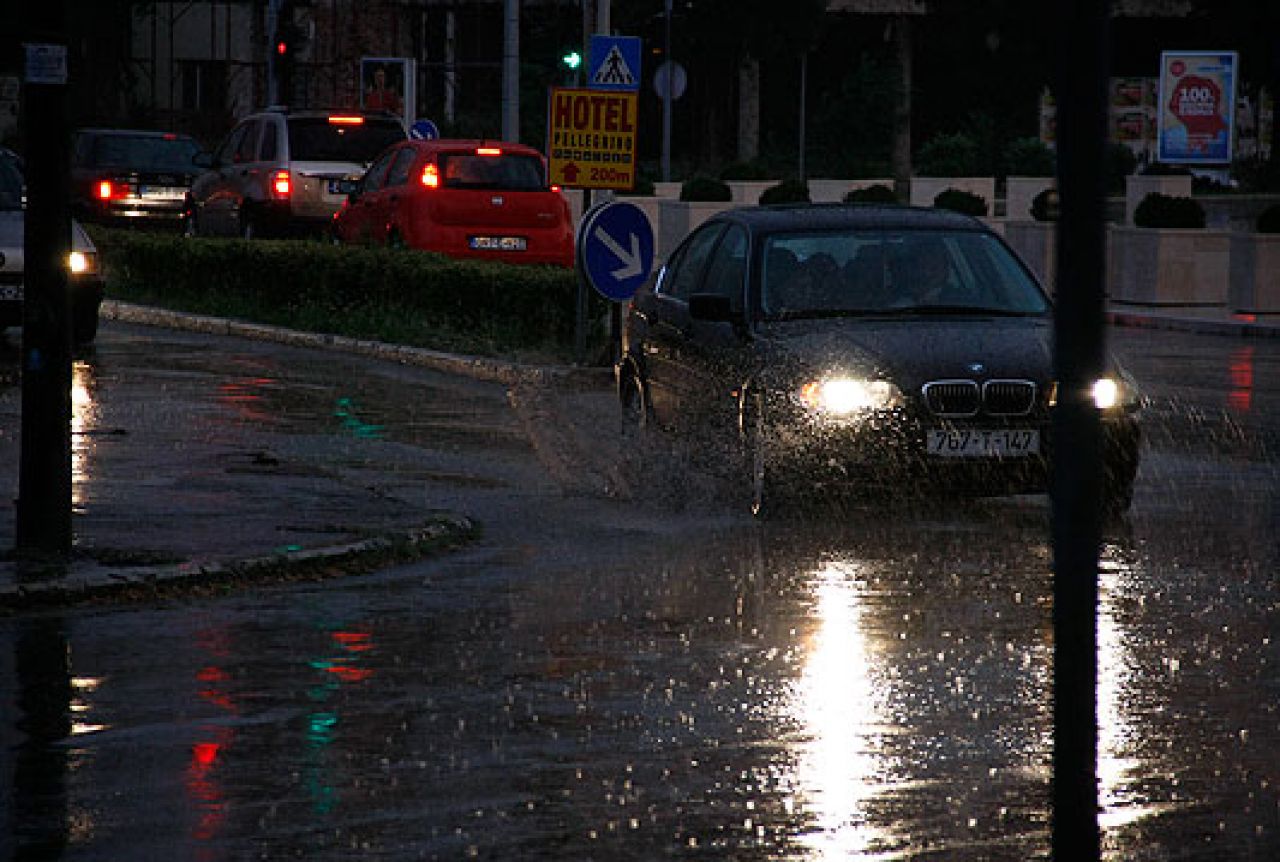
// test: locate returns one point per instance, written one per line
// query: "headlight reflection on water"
(839, 711)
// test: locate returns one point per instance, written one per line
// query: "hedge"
(404, 297)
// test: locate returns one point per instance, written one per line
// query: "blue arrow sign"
(614, 63)
(615, 249)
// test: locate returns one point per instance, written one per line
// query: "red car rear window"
(507, 172)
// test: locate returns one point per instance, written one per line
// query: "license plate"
(10, 292)
(167, 193)
(498, 243)
(979, 443)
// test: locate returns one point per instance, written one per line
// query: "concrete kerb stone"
(93, 582)
(481, 368)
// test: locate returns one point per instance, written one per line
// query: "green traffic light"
(572, 59)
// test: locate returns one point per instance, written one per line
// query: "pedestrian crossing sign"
(614, 63)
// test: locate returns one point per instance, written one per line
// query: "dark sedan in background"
(887, 348)
(131, 176)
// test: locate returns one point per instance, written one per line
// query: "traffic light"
(571, 60)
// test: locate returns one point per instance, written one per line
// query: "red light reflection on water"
(245, 397)
(1240, 396)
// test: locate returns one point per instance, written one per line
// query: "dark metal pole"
(804, 81)
(1077, 435)
(666, 95)
(43, 525)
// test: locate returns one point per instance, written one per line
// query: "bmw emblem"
(977, 368)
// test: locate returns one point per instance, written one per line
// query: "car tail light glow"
(280, 184)
(340, 120)
(106, 190)
(555, 188)
(431, 176)
(488, 151)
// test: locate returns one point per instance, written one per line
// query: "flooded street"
(612, 675)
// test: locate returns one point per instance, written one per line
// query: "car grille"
(960, 398)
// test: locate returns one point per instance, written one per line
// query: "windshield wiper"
(962, 310)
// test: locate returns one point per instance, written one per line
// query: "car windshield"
(508, 172)
(316, 139)
(142, 152)
(10, 184)
(878, 271)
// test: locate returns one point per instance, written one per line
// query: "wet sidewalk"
(180, 506)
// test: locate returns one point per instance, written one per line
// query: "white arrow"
(630, 260)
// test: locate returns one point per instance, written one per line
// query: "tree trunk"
(901, 155)
(748, 108)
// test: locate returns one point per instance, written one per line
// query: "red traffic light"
(282, 47)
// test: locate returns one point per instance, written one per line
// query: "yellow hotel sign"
(591, 138)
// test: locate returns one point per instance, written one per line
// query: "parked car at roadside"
(878, 348)
(132, 177)
(281, 172)
(85, 275)
(462, 198)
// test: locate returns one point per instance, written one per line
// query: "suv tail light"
(431, 176)
(281, 186)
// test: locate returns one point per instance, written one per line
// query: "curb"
(481, 368)
(149, 582)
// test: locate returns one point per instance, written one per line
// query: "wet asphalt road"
(603, 676)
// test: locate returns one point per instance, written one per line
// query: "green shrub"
(643, 188)
(877, 194)
(1269, 220)
(403, 297)
(744, 171)
(954, 155)
(1044, 206)
(786, 192)
(1028, 157)
(1161, 169)
(704, 188)
(1157, 210)
(958, 200)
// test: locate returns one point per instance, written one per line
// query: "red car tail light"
(106, 190)
(431, 176)
(339, 120)
(281, 186)
(488, 151)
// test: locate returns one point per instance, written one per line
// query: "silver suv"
(284, 173)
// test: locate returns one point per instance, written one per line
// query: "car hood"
(912, 352)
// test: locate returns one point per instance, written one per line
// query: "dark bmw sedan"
(859, 347)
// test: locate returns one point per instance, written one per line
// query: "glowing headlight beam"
(1105, 393)
(843, 395)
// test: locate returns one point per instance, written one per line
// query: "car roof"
(820, 217)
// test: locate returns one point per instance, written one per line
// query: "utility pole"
(1079, 359)
(44, 475)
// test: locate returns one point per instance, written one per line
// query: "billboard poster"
(1196, 107)
(387, 84)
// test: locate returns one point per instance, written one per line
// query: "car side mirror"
(711, 307)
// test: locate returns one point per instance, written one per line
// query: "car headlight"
(842, 396)
(81, 263)
(1107, 393)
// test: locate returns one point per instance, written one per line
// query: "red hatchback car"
(466, 199)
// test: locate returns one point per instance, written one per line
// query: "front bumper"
(888, 452)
